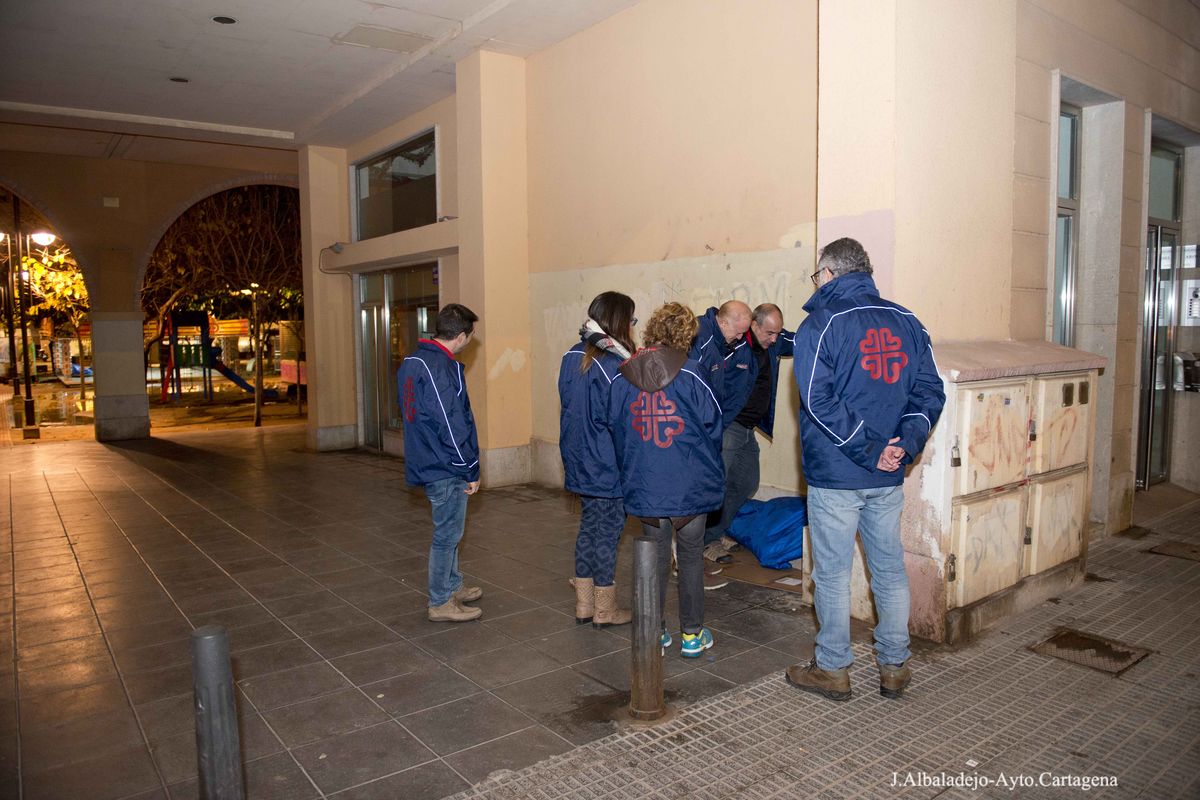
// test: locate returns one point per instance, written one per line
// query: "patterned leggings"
(600, 529)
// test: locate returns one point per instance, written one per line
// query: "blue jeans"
(600, 527)
(449, 500)
(739, 452)
(833, 517)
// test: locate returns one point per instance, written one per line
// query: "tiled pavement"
(315, 564)
(988, 720)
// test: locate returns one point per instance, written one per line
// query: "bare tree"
(236, 249)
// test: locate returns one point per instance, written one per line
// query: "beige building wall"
(672, 156)
(1144, 55)
(915, 154)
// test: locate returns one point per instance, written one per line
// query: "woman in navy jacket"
(666, 425)
(590, 466)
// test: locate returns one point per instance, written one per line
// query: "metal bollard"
(646, 679)
(218, 752)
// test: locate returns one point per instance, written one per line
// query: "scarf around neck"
(593, 334)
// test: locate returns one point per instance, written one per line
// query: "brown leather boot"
(607, 612)
(894, 679)
(585, 600)
(834, 684)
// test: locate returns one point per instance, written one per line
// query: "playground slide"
(219, 366)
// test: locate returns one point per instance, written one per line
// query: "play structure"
(206, 356)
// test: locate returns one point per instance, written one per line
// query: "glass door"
(1158, 333)
(373, 333)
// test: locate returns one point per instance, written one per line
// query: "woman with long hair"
(666, 426)
(589, 463)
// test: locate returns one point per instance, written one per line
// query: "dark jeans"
(739, 451)
(690, 556)
(600, 527)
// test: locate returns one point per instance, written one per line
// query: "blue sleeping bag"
(772, 530)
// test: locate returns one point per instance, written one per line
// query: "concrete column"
(122, 407)
(1185, 418)
(1098, 277)
(328, 301)
(493, 258)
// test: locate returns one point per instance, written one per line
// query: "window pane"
(398, 190)
(1164, 165)
(1064, 290)
(1068, 126)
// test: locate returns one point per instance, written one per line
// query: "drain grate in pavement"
(1096, 652)
(1177, 549)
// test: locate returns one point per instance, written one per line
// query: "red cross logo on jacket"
(410, 401)
(654, 418)
(883, 357)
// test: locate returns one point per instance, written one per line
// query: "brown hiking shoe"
(453, 611)
(468, 594)
(833, 684)
(893, 679)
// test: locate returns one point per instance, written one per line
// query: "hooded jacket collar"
(851, 286)
(653, 368)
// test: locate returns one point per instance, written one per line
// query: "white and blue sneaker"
(664, 641)
(696, 643)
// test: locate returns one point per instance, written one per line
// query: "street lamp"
(8, 315)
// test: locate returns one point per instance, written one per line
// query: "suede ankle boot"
(607, 612)
(585, 600)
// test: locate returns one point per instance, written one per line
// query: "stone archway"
(142, 258)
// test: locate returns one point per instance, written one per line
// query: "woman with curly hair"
(666, 426)
(589, 464)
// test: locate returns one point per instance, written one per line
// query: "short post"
(646, 679)
(218, 752)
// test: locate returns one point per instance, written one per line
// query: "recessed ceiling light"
(224, 20)
(180, 80)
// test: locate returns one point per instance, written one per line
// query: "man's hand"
(889, 459)
(472, 487)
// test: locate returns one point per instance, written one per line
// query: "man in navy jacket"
(750, 389)
(441, 453)
(871, 394)
(721, 348)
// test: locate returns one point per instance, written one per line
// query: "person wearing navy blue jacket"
(871, 394)
(722, 350)
(589, 463)
(752, 391)
(441, 453)
(666, 427)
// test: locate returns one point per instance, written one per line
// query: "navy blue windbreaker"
(718, 361)
(589, 462)
(439, 428)
(666, 427)
(865, 371)
(740, 382)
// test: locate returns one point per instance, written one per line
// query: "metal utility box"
(996, 507)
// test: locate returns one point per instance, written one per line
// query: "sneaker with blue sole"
(664, 641)
(694, 644)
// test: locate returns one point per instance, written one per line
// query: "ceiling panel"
(279, 68)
